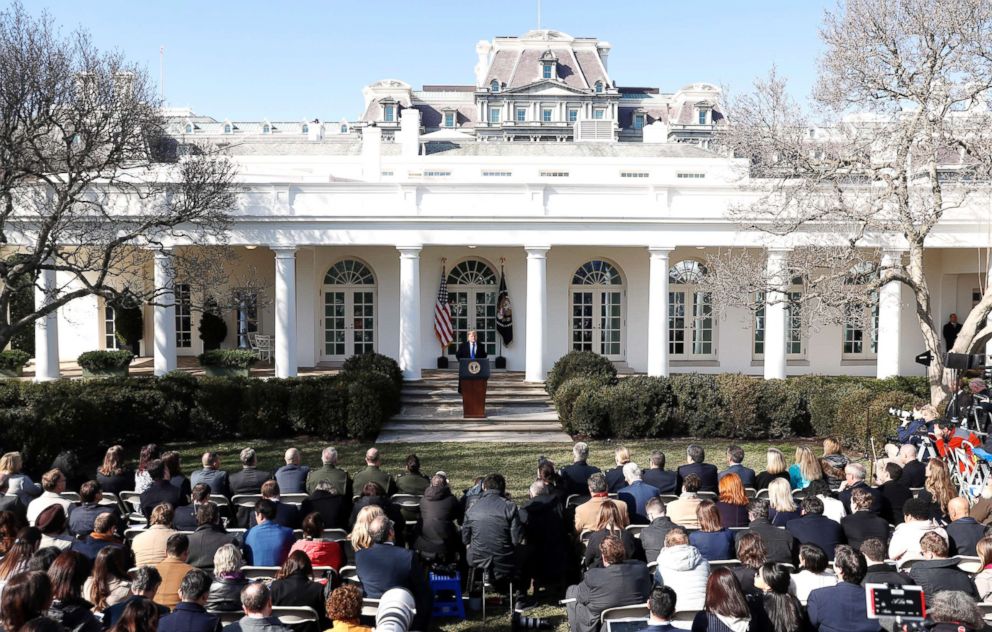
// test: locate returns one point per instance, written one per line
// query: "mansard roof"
(516, 61)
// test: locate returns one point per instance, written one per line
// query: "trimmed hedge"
(579, 364)
(105, 360)
(46, 418)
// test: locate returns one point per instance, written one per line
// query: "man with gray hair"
(256, 601)
(383, 566)
(11, 502)
(144, 584)
(292, 477)
(373, 474)
(333, 506)
(577, 474)
(636, 494)
(854, 478)
(658, 476)
(190, 614)
(587, 514)
(211, 475)
(330, 472)
(694, 464)
(249, 480)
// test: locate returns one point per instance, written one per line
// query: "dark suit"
(114, 612)
(287, 514)
(203, 544)
(81, 518)
(964, 534)
(547, 551)
(840, 608)
(779, 543)
(123, 482)
(91, 547)
(615, 479)
(817, 529)
(576, 477)
(384, 566)
(885, 574)
(637, 495)
(333, 508)
(864, 525)
(13, 504)
(297, 590)
(216, 479)
(710, 481)
(160, 492)
(189, 617)
(624, 584)
(876, 494)
(465, 352)
(185, 518)
(942, 574)
(747, 474)
(914, 474)
(248, 481)
(653, 536)
(292, 479)
(894, 496)
(665, 481)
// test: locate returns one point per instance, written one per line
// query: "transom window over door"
(472, 294)
(691, 327)
(349, 310)
(597, 301)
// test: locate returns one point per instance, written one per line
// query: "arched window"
(344, 128)
(227, 128)
(472, 295)
(597, 302)
(860, 340)
(349, 310)
(472, 272)
(691, 326)
(306, 129)
(494, 86)
(349, 272)
(266, 128)
(189, 128)
(596, 272)
(599, 87)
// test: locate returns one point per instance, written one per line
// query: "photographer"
(492, 531)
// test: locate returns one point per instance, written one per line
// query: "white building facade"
(600, 204)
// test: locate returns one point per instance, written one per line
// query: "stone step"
(426, 417)
(490, 401)
(475, 425)
(500, 436)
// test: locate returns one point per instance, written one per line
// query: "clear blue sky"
(250, 59)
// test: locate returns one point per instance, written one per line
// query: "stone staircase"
(432, 411)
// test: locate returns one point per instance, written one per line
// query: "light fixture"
(250, 247)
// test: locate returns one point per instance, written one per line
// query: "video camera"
(905, 415)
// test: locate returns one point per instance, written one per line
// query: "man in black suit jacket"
(657, 476)
(963, 530)
(470, 349)
(895, 493)
(935, 572)
(211, 475)
(863, 524)
(12, 502)
(653, 535)
(614, 476)
(81, 518)
(576, 475)
(249, 480)
(854, 478)
(619, 582)
(815, 528)
(779, 543)
(545, 556)
(292, 477)
(287, 514)
(384, 565)
(333, 506)
(879, 572)
(735, 457)
(208, 537)
(914, 471)
(709, 480)
(161, 490)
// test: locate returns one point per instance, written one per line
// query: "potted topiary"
(213, 330)
(109, 363)
(12, 362)
(227, 362)
(130, 326)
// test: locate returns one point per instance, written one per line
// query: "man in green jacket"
(331, 473)
(372, 474)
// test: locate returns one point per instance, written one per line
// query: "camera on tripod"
(901, 414)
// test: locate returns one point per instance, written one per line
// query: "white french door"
(349, 322)
(598, 322)
(473, 308)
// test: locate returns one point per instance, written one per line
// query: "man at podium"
(470, 349)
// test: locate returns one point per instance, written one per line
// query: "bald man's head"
(958, 507)
(292, 456)
(372, 456)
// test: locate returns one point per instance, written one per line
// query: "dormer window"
(305, 129)
(227, 128)
(494, 86)
(189, 128)
(548, 62)
(389, 113)
(266, 128)
(639, 120)
(450, 117)
(599, 87)
(703, 117)
(344, 128)
(547, 72)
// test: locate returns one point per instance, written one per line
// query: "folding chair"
(260, 572)
(350, 574)
(293, 615)
(293, 499)
(624, 613)
(635, 530)
(131, 502)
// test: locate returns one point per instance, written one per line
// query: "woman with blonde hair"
(805, 469)
(360, 536)
(781, 508)
(833, 462)
(732, 503)
(938, 489)
(983, 580)
(610, 522)
(18, 484)
(225, 590)
(774, 468)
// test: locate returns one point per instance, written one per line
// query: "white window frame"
(599, 87)
(547, 70)
(494, 86)
(690, 296)
(869, 345)
(547, 115)
(639, 120)
(184, 311)
(599, 114)
(495, 115)
(572, 115)
(517, 114)
(110, 340)
(389, 113)
(795, 328)
(449, 115)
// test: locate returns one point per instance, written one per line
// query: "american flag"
(442, 315)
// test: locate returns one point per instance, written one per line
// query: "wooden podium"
(473, 375)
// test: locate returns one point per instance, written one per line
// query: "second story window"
(521, 115)
(546, 115)
(599, 113)
(573, 115)
(389, 113)
(449, 119)
(638, 121)
(494, 115)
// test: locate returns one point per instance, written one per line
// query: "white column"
(306, 309)
(165, 314)
(889, 317)
(537, 311)
(285, 343)
(658, 312)
(46, 330)
(775, 314)
(409, 355)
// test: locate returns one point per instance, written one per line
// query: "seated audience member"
(891, 451)
(782, 507)
(878, 571)
(895, 493)
(208, 537)
(19, 483)
(813, 572)
(982, 510)
(683, 510)
(229, 581)
(805, 470)
(142, 480)
(774, 468)
(614, 475)
(81, 518)
(141, 615)
(815, 528)
(52, 524)
(292, 477)
(332, 505)
(545, 554)
(211, 475)
(661, 609)
(320, 551)
(620, 582)
(190, 614)
(657, 476)
(174, 472)
(713, 540)
(68, 573)
(144, 583)
(375, 494)
(360, 536)
(963, 531)
(781, 608)
(953, 611)
(726, 608)
(249, 480)
(842, 608)
(547, 474)
(437, 535)
(25, 598)
(610, 523)
(344, 608)
(653, 536)
(172, 569)
(373, 474)
(268, 542)
(682, 567)
(330, 472)
(862, 524)
(855, 475)
(576, 475)
(832, 508)
(938, 490)
(256, 601)
(53, 483)
(160, 490)
(396, 611)
(185, 517)
(735, 460)
(983, 580)
(636, 494)
(113, 475)
(109, 582)
(287, 514)
(732, 501)
(708, 479)
(587, 514)
(936, 572)
(779, 543)
(492, 530)
(18, 556)
(914, 471)
(412, 481)
(905, 540)
(383, 566)
(833, 462)
(43, 558)
(294, 586)
(751, 552)
(10, 502)
(103, 535)
(149, 545)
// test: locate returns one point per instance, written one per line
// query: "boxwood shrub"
(13, 359)
(229, 358)
(568, 392)
(579, 364)
(105, 360)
